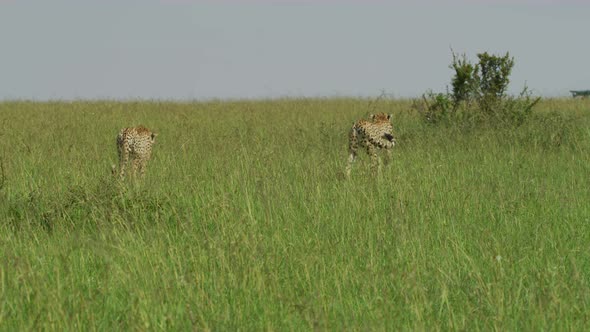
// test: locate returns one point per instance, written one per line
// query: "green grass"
(244, 220)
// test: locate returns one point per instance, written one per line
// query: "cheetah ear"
(154, 136)
(372, 117)
(388, 116)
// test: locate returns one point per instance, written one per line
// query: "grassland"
(244, 220)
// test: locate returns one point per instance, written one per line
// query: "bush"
(478, 94)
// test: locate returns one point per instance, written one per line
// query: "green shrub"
(478, 94)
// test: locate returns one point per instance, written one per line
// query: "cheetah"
(374, 134)
(134, 142)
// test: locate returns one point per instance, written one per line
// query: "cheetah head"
(383, 120)
(380, 117)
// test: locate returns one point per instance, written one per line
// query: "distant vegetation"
(478, 94)
(244, 219)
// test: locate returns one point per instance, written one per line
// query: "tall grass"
(244, 220)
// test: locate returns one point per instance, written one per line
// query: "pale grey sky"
(183, 49)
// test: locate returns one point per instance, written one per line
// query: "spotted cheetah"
(134, 142)
(374, 134)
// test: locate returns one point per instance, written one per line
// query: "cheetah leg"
(352, 149)
(136, 166)
(374, 159)
(388, 156)
(351, 159)
(142, 166)
(123, 160)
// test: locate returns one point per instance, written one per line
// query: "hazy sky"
(186, 49)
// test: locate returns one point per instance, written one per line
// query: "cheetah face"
(379, 117)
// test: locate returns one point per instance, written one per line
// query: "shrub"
(478, 94)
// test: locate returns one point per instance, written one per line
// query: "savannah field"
(244, 220)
